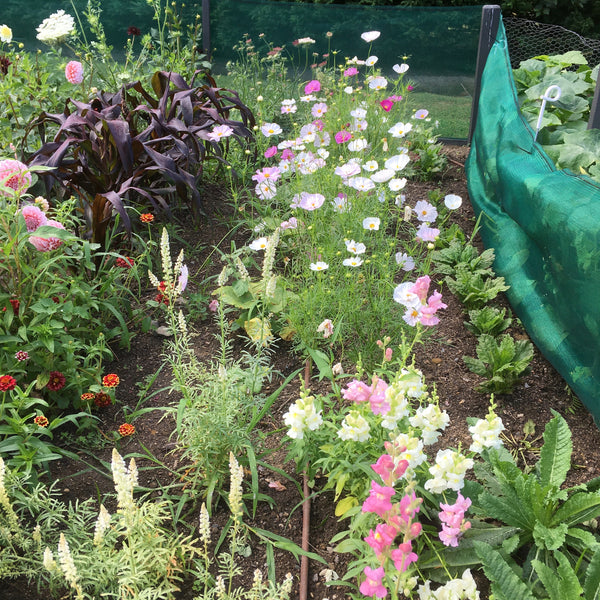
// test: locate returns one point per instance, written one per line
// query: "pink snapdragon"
(372, 585)
(382, 538)
(403, 556)
(453, 521)
(357, 391)
(379, 500)
(388, 470)
(74, 72)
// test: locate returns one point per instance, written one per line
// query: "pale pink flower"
(326, 328)
(219, 132)
(267, 173)
(421, 114)
(372, 585)
(74, 72)
(47, 244)
(357, 391)
(427, 234)
(213, 305)
(425, 211)
(311, 201)
(291, 224)
(421, 287)
(15, 175)
(34, 217)
(318, 109)
(312, 86)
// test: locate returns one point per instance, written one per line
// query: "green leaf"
(555, 455)
(550, 538)
(591, 586)
(580, 507)
(506, 584)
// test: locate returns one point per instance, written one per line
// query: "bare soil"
(540, 392)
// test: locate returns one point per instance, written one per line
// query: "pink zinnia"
(34, 217)
(74, 72)
(312, 86)
(372, 585)
(342, 136)
(47, 244)
(14, 175)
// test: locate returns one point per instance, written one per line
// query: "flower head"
(56, 28)
(74, 72)
(219, 132)
(102, 399)
(21, 355)
(452, 201)
(146, 217)
(111, 380)
(47, 244)
(319, 266)
(34, 217)
(312, 86)
(370, 36)
(6, 34)
(134, 31)
(41, 421)
(7, 383)
(372, 585)
(326, 328)
(56, 382)
(270, 129)
(126, 429)
(15, 175)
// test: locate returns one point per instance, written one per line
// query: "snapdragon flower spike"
(453, 521)
(388, 469)
(379, 499)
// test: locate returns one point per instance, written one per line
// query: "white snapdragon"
(463, 588)
(431, 421)
(486, 433)
(448, 472)
(354, 427)
(412, 451)
(302, 415)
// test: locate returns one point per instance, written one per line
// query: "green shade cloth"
(544, 225)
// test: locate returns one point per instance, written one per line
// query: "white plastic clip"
(546, 97)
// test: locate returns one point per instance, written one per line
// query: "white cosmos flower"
(452, 201)
(399, 130)
(362, 184)
(348, 89)
(269, 129)
(355, 247)
(405, 262)
(353, 261)
(382, 176)
(378, 83)
(403, 296)
(400, 68)
(347, 170)
(259, 244)
(397, 162)
(358, 113)
(319, 266)
(371, 223)
(370, 36)
(360, 124)
(371, 61)
(357, 145)
(397, 184)
(265, 190)
(355, 61)
(371, 166)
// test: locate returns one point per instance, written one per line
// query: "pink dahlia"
(34, 217)
(46, 244)
(74, 72)
(15, 175)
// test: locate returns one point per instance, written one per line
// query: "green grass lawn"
(453, 112)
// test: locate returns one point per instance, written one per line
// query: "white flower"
(413, 450)
(431, 420)
(305, 41)
(357, 145)
(358, 113)
(397, 184)
(378, 83)
(372, 60)
(56, 28)
(326, 328)
(353, 261)
(452, 201)
(448, 472)
(259, 244)
(425, 211)
(371, 223)
(347, 170)
(354, 427)
(371, 165)
(486, 433)
(397, 162)
(382, 176)
(399, 130)
(370, 36)
(6, 34)
(302, 415)
(405, 262)
(355, 61)
(400, 68)
(319, 266)
(220, 131)
(269, 129)
(403, 296)
(266, 189)
(355, 247)
(362, 184)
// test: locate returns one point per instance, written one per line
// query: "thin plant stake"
(546, 97)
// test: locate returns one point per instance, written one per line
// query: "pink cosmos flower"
(395, 98)
(34, 217)
(421, 114)
(287, 154)
(427, 234)
(350, 72)
(312, 86)
(271, 152)
(319, 124)
(15, 175)
(219, 132)
(342, 136)
(74, 72)
(311, 201)
(403, 556)
(372, 585)
(291, 224)
(47, 244)
(379, 500)
(318, 109)
(268, 173)
(387, 105)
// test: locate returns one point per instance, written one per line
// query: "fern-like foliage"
(502, 362)
(475, 289)
(489, 319)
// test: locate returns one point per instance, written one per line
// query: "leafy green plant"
(130, 147)
(502, 363)
(489, 319)
(473, 289)
(460, 255)
(550, 521)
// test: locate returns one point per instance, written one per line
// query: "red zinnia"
(102, 399)
(41, 420)
(88, 396)
(56, 382)
(133, 31)
(126, 429)
(7, 383)
(110, 380)
(124, 263)
(146, 218)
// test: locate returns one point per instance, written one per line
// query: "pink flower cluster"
(419, 308)
(15, 175)
(453, 521)
(74, 72)
(374, 394)
(35, 218)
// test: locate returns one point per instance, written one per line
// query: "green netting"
(544, 225)
(440, 43)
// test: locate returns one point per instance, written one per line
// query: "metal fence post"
(594, 120)
(490, 20)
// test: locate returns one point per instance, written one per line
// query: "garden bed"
(528, 408)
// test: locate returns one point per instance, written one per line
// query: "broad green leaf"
(551, 538)
(555, 455)
(591, 585)
(580, 507)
